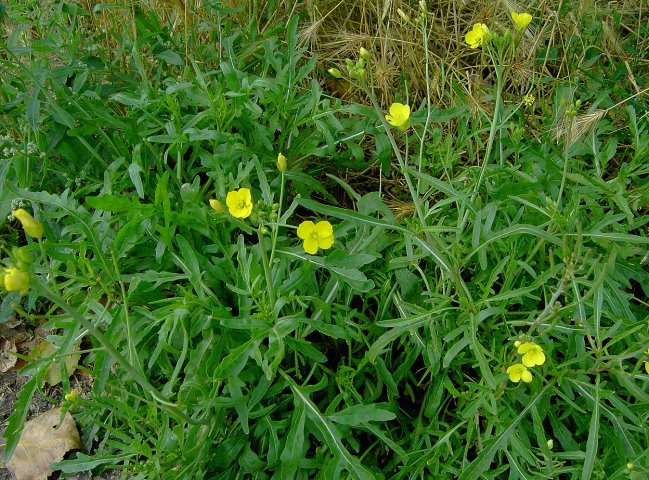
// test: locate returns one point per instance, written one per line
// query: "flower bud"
(15, 280)
(334, 72)
(281, 162)
(403, 15)
(22, 255)
(365, 54)
(31, 226)
(217, 206)
(72, 396)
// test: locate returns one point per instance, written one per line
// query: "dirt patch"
(10, 385)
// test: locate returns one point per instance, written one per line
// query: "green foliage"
(218, 348)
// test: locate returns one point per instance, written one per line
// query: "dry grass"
(336, 29)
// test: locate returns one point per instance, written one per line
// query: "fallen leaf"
(53, 372)
(43, 441)
(7, 355)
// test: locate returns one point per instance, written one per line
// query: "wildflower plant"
(245, 300)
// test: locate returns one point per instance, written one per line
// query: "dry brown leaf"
(7, 355)
(53, 372)
(41, 443)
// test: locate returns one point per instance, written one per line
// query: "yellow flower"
(216, 205)
(15, 280)
(32, 227)
(476, 37)
(281, 162)
(518, 372)
(522, 20)
(318, 235)
(239, 203)
(398, 116)
(532, 354)
(72, 396)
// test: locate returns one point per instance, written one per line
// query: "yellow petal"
(305, 229)
(232, 199)
(527, 376)
(311, 245)
(324, 229)
(245, 194)
(522, 20)
(326, 242)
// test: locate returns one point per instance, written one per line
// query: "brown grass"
(336, 29)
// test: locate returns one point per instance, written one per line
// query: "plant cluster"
(265, 279)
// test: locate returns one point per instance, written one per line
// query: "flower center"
(314, 235)
(241, 204)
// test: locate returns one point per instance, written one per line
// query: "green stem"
(495, 124)
(266, 265)
(428, 104)
(279, 215)
(566, 164)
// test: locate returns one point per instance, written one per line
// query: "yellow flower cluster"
(532, 355)
(480, 34)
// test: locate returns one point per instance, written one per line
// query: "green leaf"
(16, 420)
(295, 446)
(114, 203)
(331, 436)
(359, 414)
(171, 57)
(233, 363)
(481, 464)
(33, 111)
(84, 463)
